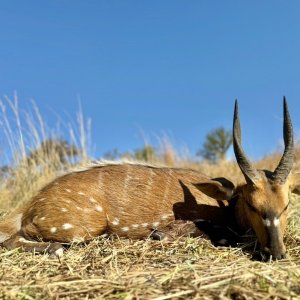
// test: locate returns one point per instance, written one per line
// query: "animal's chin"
(266, 255)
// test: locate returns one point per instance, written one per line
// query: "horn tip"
(236, 106)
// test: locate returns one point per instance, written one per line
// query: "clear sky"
(167, 66)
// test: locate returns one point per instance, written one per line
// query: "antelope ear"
(294, 183)
(217, 188)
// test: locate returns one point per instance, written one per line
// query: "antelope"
(137, 201)
(262, 202)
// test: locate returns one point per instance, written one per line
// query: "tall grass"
(34, 153)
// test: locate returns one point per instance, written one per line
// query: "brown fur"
(128, 200)
(260, 204)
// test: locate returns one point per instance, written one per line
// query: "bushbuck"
(137, 201)
(262, 202)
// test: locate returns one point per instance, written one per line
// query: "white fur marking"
(116, 222)
(68, 190)
(155, 224)
(165, 217)
(53, 229)
(79, 208)
(59, 252)
(276, 222)
(42, 199)
(125, 229)
(145, 224)
(42, 218)
(99, 208)
(167, 188)
(267, 222)
(67, 226)
(135, 225)
(64, 209)
(92, 200)
(102, 163)
(23, 240)
(81, 193)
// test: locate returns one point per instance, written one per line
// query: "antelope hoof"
(55, 250)
(157, 235)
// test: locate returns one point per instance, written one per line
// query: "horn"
(286, 163)
(250, 173)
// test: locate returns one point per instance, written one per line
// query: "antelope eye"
(251, 207)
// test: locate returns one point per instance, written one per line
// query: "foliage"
(50, 148)
(147, 154)
(113, 154)
(216, 144)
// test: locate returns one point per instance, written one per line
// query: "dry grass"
(124, 269)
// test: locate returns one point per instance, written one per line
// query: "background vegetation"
(121, 268)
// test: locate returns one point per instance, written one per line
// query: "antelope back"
(126, 199)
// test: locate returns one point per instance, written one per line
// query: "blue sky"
(156, 67)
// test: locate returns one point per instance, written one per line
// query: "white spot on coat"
(116, 222)
(42, 218)
(23, 240)
(79, 208)
(155, 224)
(92, 200)
(64, 209)
(276, 222)
(99, 208)
(145, 224)
(125, 229)
(267, 222)
(81, 193)
(68, 190)
(53, 229)
(67, 226)
(59, 252)
(135, 225)
(42, 199)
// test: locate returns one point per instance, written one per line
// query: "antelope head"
(265, 195)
